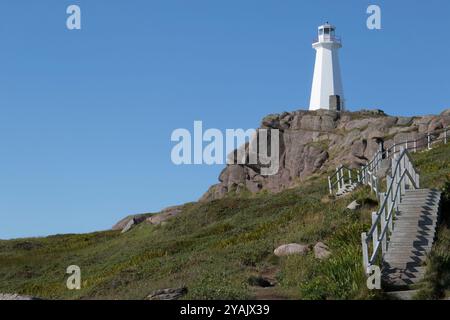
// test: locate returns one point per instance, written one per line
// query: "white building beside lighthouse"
(327, 91)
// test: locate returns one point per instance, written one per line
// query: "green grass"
(215, 248)
(212, 248)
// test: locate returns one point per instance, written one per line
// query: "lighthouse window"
(320, 32)
(327, 31)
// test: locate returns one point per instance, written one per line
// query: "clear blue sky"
(86, 116)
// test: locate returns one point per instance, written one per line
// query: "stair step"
(403, 295)
(397, 253)
(407, 272)
(399, 249)
(421, 206)
(422, 190)
(412, 229)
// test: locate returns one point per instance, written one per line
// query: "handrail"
(391, 185)
(403, 169)
(342, 176)
(371, 168)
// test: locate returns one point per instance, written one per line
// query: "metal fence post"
(429, 140)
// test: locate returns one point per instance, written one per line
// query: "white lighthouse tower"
(327, 92)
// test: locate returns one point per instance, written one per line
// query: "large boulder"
(129, 221)
(165, 215)
(291, 249)
(129, 225)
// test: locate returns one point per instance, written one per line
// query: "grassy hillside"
(215, 248)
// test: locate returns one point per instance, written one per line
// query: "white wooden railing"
(367, 174)
(343, 176)
(404, 177)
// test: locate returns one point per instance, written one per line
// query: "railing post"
(406, 144)
(350, 176)
(365, 251)
(418, 181)
(329, 185)
(338, 178)
(364, 175)
(388, 183)
(376, 185)
(372, 182)
(390, 205)
(375, 231)
(383, 238)
(429, 140)
(415, 146)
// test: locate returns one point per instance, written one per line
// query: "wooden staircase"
(412, 238)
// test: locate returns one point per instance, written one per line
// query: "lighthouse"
(327, 92)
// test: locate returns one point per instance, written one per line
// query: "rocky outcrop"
(127, 223)
(317, 141)
(165, 215)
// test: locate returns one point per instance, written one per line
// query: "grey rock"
(6, 296)
(168, 294)
(291, 249)
(128, 226)
(165, 215)
(321, 251)
(354, 205)
(138, 218)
